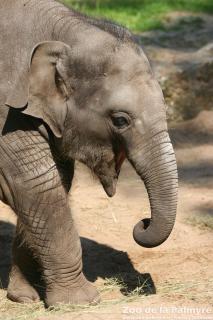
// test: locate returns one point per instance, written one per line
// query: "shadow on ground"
(206, 209)
(196, 174)
(105, 262)
(195, 164)
(185, 139)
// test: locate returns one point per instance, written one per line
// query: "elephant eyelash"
(128, 113)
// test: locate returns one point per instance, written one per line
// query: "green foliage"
(139, 15)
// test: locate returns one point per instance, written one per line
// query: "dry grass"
(204, 221)
(14, 311)
(189, 290)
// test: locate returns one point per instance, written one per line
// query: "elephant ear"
(47, 91)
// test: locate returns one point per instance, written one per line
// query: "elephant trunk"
(156, 165)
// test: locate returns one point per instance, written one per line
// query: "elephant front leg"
(62, 270)
(49, 232)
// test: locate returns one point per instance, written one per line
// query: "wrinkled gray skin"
(73, 88)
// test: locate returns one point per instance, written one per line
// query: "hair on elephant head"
(104, 105)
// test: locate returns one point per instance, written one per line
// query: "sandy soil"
(176, 274)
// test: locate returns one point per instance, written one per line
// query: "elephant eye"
(120, 121)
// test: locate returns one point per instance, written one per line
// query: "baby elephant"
(74, 88)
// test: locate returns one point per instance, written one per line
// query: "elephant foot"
(20, 290)
(78, 295)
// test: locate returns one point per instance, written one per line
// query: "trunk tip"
(141, 237)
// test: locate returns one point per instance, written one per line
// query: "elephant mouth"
(110, 187)
(121, 156)
(109, 180)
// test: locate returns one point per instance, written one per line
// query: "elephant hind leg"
(19, 289)
(24, 275)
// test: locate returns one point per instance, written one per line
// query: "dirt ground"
(178, 274)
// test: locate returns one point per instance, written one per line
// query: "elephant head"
(103, 104)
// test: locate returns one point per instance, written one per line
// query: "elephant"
(74, 88)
